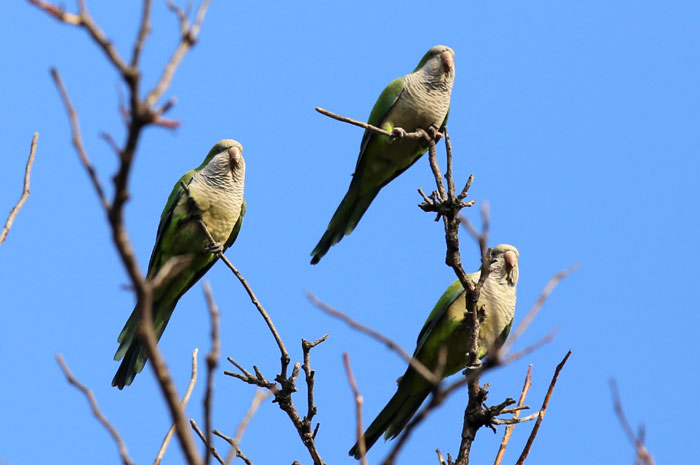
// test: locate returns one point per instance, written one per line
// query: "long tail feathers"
(344, 221)
(392, 419)
(131, 350)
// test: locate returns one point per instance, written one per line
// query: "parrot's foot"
(434, 132)
(398, 133)
(214, 247)
(473, 367)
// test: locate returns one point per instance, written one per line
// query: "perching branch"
(282, 391)
(447, 204)
(141, 113)
(284, 355)
(123, 452)
(287, 384)
(25, 190)
(397, 133)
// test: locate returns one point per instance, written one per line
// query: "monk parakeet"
(445, 328)
(215, 194)
(418, 100)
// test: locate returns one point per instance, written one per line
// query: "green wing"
(236, 227)
(447, 298)
(381, 108)
(167, 224)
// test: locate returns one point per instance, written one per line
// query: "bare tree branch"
(83, 19)
(260, 396)
(543, 411)
(536, 308)
(643, 456)
(78, 140)
(187, 40)
(358, 409)
(415, 363)
(283, 396)
(509, 429)
(140, 114)
(397, 133)
(284, 355)
(123, 452)
(144, 30)
(210, 449)
(185, 399)
(25, 190)
(212, 362)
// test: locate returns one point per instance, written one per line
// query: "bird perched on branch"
(418, 100)
(445, 330)
(212, 193)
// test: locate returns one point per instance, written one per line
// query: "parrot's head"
(226, 157)
(504, 263)
(439, 61)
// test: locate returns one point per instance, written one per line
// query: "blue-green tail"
(395, 416)
(132, 352)
(344, 220)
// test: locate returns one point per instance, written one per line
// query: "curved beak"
(511, 260)
(234, 156)
(447, 60)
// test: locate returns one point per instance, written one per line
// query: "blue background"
(579, 121)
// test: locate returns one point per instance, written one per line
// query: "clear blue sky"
(579, 120)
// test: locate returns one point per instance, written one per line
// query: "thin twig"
(25, 190)
(306, 347)
(451, 194)
(509, 429)
(397, 133)
(212, 362)
(185, 399)
(210, 449)
(355, 122)
(260, 396)
(415, 363)
(284, 355)
(441, 459)
(642, 453)
(83, 19)
(140, 114)
(542, 412)
(123, 452)
(187, 41)
(144, 29)
(78, 140)
(358, 409)
(536, 307)
(527, 350)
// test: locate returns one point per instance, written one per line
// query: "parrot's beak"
(511, 260)
(234, 154)
(447, 61)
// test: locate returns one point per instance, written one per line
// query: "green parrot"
(215, 194)
(418, 100)
(445, 328)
